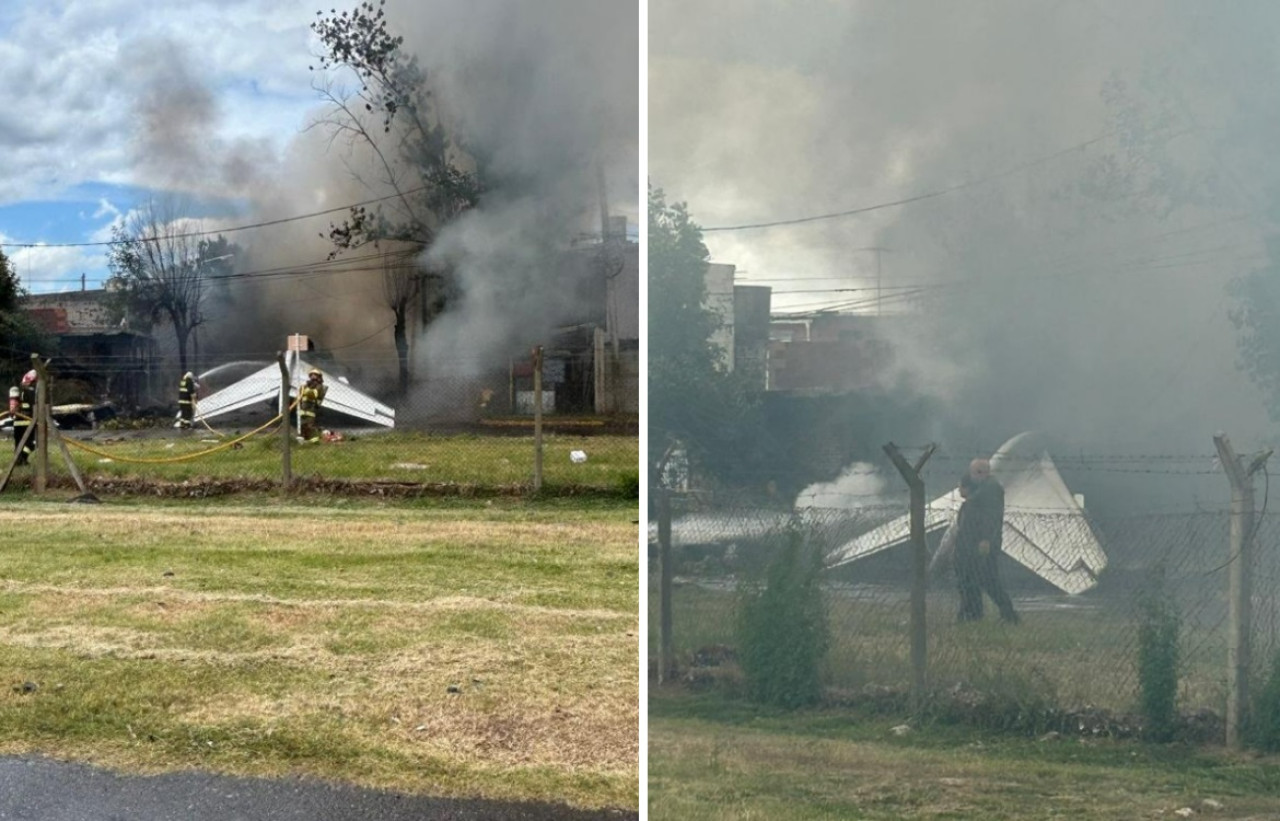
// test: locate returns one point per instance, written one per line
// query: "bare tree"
(401, 286)
(159, 269)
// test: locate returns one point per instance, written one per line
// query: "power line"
(917, 198)
(232, 230)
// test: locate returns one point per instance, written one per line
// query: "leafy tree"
(390, 114)
(18, 334)
(693, 400)
(161, 270)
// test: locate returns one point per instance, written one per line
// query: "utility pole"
(1239, 567)
(919, 570)
(879, 276)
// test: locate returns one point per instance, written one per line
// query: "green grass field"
(497, 462)
(1068, 658)
(712, 759)
(487, 649)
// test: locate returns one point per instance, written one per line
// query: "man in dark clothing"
(979, 534)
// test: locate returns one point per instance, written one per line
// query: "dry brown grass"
(489, 653)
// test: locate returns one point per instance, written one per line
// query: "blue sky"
(89, 88)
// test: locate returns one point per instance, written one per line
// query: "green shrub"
(628, 484)
(1158, 661)
(1264, 727)
(783, 633)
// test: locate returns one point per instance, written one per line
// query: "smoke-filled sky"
(1091, 176)
(215, 104)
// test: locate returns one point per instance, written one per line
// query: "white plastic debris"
(1211, 804)
(901, 729)
(1185, 812)
(577, 456)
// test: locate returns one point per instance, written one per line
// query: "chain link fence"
(447, 436)
(1069, 652)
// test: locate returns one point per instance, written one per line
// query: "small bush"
(628, 484)
(783, 633)
(1264, 728)
(1158, 662)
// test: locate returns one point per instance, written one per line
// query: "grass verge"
(487, 651)
(711, 758)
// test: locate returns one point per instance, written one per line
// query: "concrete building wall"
(720, 302)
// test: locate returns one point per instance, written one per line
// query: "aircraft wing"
(937, 515)
(262, 386)
(1045, 527)
(346, 399)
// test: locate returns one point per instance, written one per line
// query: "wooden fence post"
(286, 430)
(537, 418)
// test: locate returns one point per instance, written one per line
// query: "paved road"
(37, 789)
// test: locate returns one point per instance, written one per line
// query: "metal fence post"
(919, 571)
(1240, 565)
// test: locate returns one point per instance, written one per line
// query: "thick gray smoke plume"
(1111, 171)
(546, 92)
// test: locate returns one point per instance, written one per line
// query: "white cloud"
(70, 117)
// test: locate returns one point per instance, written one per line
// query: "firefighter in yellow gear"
(310, 397)
(187, 389)
(22, 403)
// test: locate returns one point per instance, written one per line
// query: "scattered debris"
(577, 456)
(167, 573)
(409, 466)
(1210, 803)
(1185, 812)
(453, 688)
(85, 499)
(26, 687)
(901, 729)
(1052, 735)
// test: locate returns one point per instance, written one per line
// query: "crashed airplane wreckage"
(1045, 528)
(264, 386)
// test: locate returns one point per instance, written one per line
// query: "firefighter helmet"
(14, 393)
(29, 378)
(188, 375)
(315, 372)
